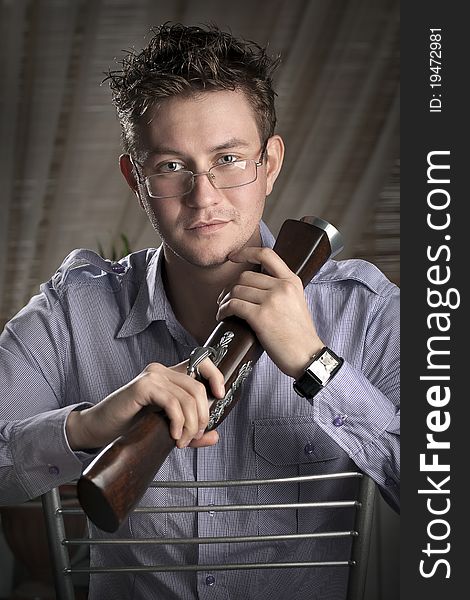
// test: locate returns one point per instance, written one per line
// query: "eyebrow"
(231, 143)
(227, 145)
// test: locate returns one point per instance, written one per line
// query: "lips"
(207, 226)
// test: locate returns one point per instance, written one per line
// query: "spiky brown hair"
(182, 60)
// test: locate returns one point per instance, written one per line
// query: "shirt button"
(211, 512)
(210, 580)
(309, 448)
(118, 268)
(53, 470)
(339, 420)
(389, 481)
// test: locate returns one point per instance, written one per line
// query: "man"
(104, 339)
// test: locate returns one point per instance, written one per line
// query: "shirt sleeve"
(34, 452)
(360, 407)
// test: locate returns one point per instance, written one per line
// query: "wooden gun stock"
(116, 480)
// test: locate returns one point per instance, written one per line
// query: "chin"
(201, 259)
(206, 262)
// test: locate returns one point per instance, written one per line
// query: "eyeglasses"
(222, 177)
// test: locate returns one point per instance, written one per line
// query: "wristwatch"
(323, 367)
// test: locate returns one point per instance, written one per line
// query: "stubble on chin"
(190, 256)
(203, 255)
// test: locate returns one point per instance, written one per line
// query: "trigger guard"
(196, 357)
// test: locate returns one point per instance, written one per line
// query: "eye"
(227, 159)
(169, 167)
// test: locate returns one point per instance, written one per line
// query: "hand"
(183, 399)
(273, 303)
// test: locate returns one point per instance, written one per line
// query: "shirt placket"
(211, 584)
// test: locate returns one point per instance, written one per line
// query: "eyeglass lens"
(225, 176)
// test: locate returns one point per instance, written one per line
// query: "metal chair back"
(357, 562)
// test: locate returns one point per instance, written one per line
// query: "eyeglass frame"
(211, 177)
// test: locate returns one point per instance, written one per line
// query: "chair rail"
(357, 562)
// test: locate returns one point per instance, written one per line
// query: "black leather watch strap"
(306, 385)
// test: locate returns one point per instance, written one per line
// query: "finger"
(208, 439)
(266, 257)
(249, 279)
(202, 408)
(185, 402)
(214, 376)
(180, 367)
(199, 394)
(261, 281)
(196, 414)
(172, 407)
(200, 405)
(239, 308)
(188, 413)
(248, 294)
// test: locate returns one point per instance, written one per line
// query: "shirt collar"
(267, 238)
(151, 303)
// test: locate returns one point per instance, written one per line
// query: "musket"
(120, 474)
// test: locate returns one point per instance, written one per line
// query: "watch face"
(323, 366)
(329, 362)
(317, 374)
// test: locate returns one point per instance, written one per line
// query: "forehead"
(199, 122)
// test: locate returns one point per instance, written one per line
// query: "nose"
(203, 193)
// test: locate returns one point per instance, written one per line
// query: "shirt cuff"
(352, 410)
(43, 458)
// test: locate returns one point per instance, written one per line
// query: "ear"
(274, 160)
(128, 170)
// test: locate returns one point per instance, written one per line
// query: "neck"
(193, 291)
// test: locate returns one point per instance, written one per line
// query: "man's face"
(197, 133)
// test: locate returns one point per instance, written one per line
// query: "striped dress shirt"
(96, 324)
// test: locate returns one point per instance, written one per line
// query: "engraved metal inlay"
(222, 404)
(221, 348)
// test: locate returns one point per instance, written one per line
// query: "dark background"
(423, 132)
